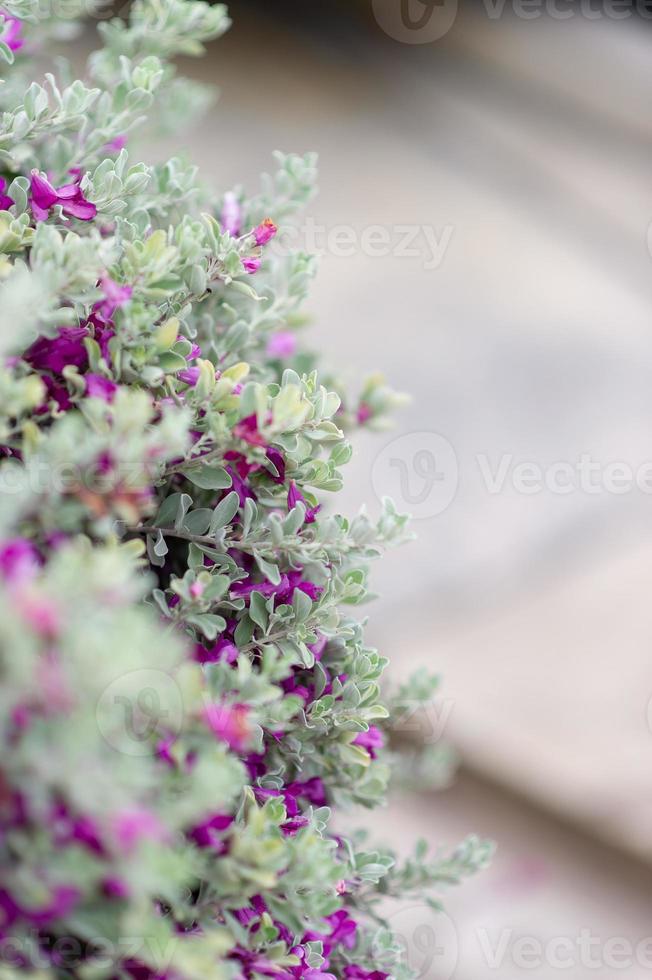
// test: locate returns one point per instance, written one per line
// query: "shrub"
(186, 692)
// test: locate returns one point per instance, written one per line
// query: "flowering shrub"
(185, 694)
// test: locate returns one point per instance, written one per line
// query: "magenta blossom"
(69, 196)
(98, 386)
(296, 497)
(305, 972)
(208, 833)
(275, 456)
(247, 429)
(283, 590)
(231, 216)
(116, 888)
(189, 376)
(115, 295)
(223, 651)
(282, 344)
(264, 232)
(132, 826)
(55, 353)
(370, 740)
(115, 145)
(10, 32)
(62, 901)
(353, 972)
(230, 724)
(363, 413)
(18, 560)
(250, 266)
(5, 201)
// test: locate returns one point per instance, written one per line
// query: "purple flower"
(116, 888)
(231, 216)
(18, 560)
(264, 232)
(311, 789)
(5, 201)
(247, 429)
(305, 972)
(353, 972)
(343, 928)
(10, 28)
(81, 830)
(242, 489)
(115, 295)
(132, 826)
(223, 651)
(99, 387)
(195, 351)
(69, 196)
(164, 751)
(363, 413)
(251, 265)
(189, 376)
(275, 456)
(208, 832)
(115, 145)
(296, 497)
(55, 353)
(62, 901)
(251, 912)
(370, 740)
(282, 344)
(318, 648)
(283, 591)
(230, 724)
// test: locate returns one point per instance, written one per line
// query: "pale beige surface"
(530, 702)
(551, 905)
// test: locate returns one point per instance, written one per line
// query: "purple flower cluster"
(73, 203)
(338, 936)
(11, 32)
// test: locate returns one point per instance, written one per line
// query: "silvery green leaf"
(207, 623)
(209, 476)
(258, 610)
(269, 569)
(198, 521)
(169, 509)
(225, 511)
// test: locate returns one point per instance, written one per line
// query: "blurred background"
(483, 228)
